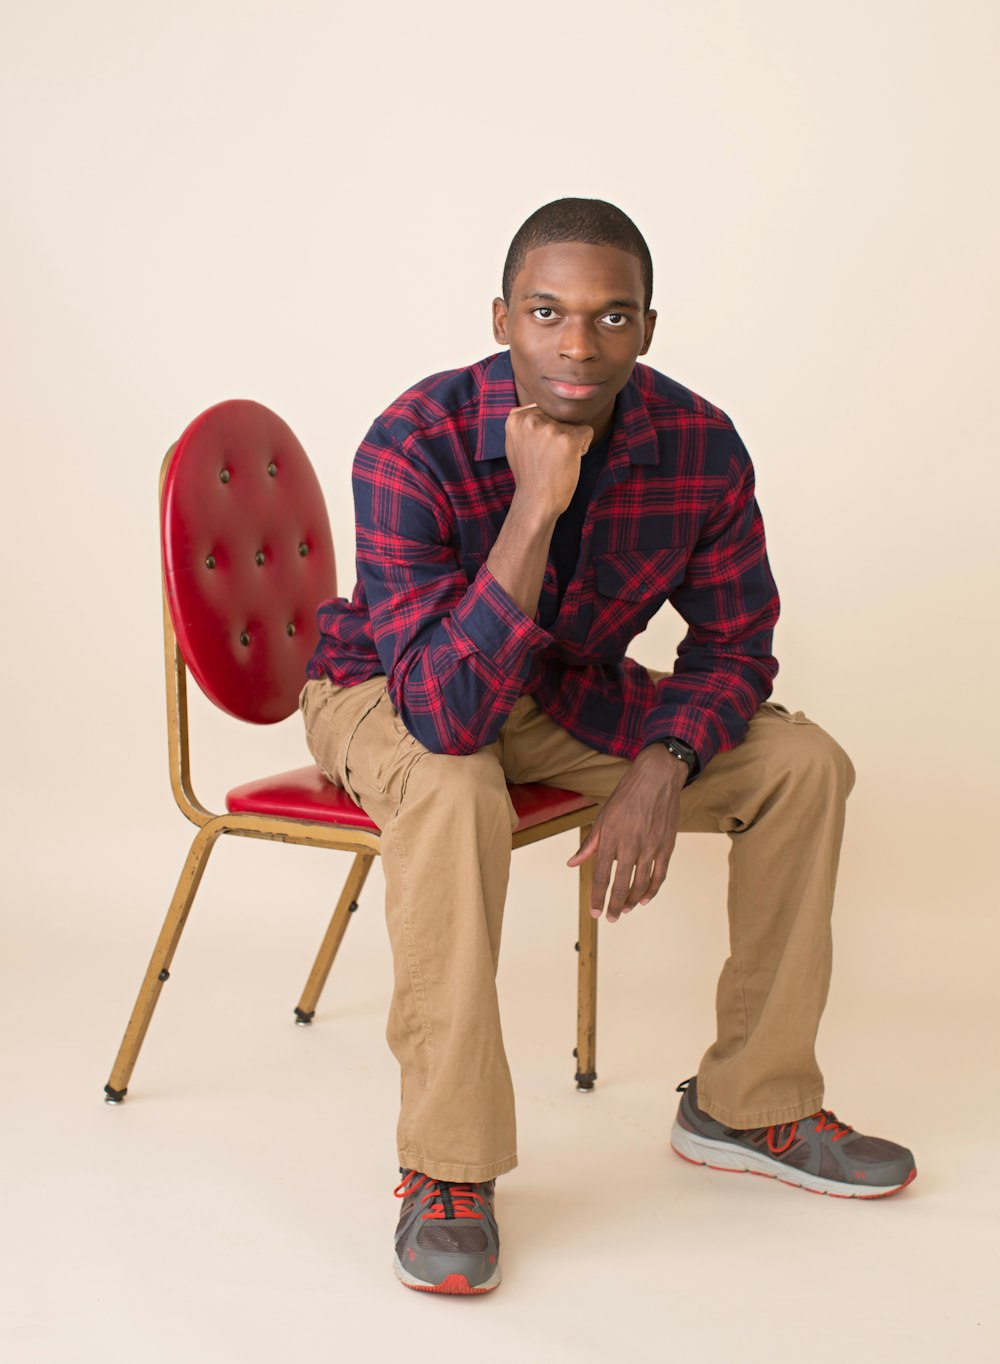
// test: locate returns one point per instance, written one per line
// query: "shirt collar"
(632, 424)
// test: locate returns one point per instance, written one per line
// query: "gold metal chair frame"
(362, 842)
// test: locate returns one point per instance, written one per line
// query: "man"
(518, 523)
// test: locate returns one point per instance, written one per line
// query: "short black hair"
(592, 221)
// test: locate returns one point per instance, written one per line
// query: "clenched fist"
(544, 456)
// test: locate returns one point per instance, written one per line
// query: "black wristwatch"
(682, 751)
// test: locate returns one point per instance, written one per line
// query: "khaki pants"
(446, 845)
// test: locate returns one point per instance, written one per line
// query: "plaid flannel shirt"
(673, 518)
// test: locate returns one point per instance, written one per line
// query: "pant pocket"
(379, 751)
(331, 715)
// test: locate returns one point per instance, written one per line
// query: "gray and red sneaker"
(447, 1239)
(817, 1153)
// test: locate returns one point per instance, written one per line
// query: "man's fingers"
(586, 849)
(598, 895)
(633, 884)
(619, 891)
(602, 878)
(658, 878)
(640, 884)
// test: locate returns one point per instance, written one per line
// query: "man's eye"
(616, 319)
(544, 313)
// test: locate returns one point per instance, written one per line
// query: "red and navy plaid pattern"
(673, 518)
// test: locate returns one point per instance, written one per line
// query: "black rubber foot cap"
(585, 1079)
(114, 1096)
(304, 1017)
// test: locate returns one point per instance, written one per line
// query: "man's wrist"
(667, 767)
(681, 753)
(539, 522)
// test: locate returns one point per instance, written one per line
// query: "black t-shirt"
(565, 548)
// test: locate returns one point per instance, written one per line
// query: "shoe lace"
(447, 1199)
(825, 1119)
(777, 1144)
(782, 1137)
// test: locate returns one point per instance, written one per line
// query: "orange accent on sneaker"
(779, 1148)
(454, 1283)
(825, 1119)
(465, 1197)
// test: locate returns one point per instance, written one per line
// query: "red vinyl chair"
(247, 558)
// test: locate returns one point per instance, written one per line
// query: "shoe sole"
(454, 1283)
(731, 1159)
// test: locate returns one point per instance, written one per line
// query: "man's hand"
(544, 456)
(636, 830)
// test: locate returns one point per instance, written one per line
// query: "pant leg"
(781, 796)
(446, 827)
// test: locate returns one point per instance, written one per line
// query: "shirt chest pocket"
(630, 586)
(635, 575)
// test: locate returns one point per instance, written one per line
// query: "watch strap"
(682, 751)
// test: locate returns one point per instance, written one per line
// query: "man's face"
(575, 326)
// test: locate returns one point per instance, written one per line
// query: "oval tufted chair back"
(247, 558)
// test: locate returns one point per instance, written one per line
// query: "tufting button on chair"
(247, 558)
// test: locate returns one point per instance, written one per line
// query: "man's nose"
(578, 341)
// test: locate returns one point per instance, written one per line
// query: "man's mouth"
(572, 391)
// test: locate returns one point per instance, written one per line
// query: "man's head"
(594, 222)
(575, 311)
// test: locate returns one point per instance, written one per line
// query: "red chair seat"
(306, 794)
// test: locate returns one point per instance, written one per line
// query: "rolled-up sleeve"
(456, 654)
(725, 667)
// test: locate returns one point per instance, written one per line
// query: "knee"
(471, 786)
(815, 759)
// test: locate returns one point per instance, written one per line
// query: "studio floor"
(238, 1207)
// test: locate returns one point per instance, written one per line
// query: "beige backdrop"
(309, 204)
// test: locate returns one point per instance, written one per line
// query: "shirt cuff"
(692, 726)
(488, 621)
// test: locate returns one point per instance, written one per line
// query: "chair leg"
(586, 1017)
(158, 970)
(346, 905)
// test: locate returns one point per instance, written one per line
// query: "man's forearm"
(457, 655)
(518, 557)
(478, 699)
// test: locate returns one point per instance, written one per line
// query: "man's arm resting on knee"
(724, 670)
(457, 655)
(728, 598)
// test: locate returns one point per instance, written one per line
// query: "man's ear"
(500, 322)
(649, 325)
